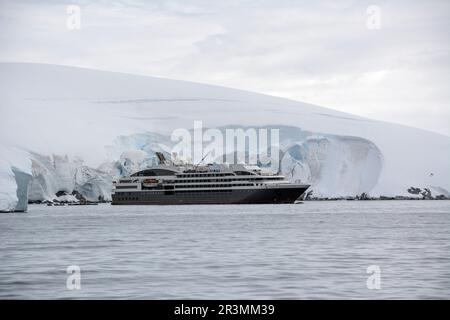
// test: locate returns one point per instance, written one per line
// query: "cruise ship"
(206, 184)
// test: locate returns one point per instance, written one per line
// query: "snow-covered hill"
(78, 127)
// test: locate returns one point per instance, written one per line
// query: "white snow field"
(75, 129)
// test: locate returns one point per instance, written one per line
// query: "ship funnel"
(161, 158)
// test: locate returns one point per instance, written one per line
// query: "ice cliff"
(15, 175)
(56, 177)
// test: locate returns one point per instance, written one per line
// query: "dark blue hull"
(243, 196)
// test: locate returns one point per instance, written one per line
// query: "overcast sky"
(387, 60)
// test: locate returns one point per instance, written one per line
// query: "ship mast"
(196, 166)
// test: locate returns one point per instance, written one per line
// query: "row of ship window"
(214, 180)
(211, 180)
(214, 185)
(126, 187)
(227, 180)
(201, 186)
(149, 195)
(127, 198)
(205, 175)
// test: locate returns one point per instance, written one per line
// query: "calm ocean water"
(310, 250)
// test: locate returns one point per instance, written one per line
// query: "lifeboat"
(150, 182)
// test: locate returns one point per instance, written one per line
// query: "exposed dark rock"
(61, 193)
(79, 196)
(403, 198)
(363, 196)
(426, 194)
(414, 190)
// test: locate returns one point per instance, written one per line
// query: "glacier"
(66, 133)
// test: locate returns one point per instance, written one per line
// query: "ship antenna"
(202, 159)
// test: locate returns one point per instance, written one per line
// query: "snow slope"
(100, 117)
